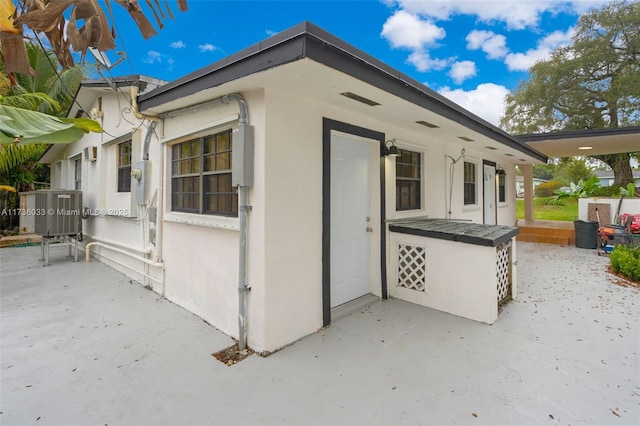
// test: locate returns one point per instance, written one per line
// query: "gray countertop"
(454, 230)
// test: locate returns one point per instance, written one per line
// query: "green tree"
(590, 84)
(69, 24)
(57, 83)
(573, 169)
(544, 171)
(50, 91)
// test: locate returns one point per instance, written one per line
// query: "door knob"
(369, 229)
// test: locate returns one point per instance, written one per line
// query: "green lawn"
(544, 209)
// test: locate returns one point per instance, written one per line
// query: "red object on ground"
(635, 224)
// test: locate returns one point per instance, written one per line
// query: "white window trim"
(204, 130)
(404, 214)
(72, 168)
(196, 219)
(504, 203)
(476, 206)
(204, 220)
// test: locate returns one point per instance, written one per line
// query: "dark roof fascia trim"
(306, 40)
(374, 72)
(203, 79)
(45, 151)
(122, 81)
(615, 131)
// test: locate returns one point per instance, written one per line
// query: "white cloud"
(153, 57)
(423, 61)
(524, 61)
(460, 71)
(405, 30)
(516, 14)
(486, 100)
(207, 47)
(178, 45)
(494, 45)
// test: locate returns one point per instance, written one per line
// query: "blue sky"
(472, 51)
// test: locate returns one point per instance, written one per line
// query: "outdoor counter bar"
(463, 268)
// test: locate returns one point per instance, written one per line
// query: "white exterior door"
(350, 245)
(489, 179)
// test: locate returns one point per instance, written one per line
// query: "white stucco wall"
(460, 278)
(201, 251)
(285, 225)
(113, 219)
(629, 205)
(293, 205)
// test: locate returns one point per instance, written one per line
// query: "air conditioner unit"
(91, 153)
(58, 212)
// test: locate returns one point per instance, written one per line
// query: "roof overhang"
(307, 61)
(585, 142)
(86, 95)
(53, 153)
(89, 90)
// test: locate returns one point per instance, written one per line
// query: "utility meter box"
(140, 174)
(242, 155)
(58, 212)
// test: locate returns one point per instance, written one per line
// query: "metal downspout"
(147, 139)
(145, 156)
(243, 207)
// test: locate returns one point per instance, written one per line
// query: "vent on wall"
(359, 98)
(91, 153)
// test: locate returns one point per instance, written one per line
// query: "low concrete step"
(545, 239)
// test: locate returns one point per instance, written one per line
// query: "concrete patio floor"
(82, 345)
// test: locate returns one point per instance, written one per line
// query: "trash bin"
(586, 234)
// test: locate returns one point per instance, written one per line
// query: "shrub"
(548, 201)
(546, 189)
(582, 189)
(626, 260)
(612, 191)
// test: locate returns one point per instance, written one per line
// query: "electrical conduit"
(243, 207)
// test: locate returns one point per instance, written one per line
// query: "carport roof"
(307, 41)
(585, 142)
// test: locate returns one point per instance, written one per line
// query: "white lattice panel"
(503, 261)
(412, 267)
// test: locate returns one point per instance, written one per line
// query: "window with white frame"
(201, 176)
(124, 166)
(77, 173)
(408, 180)
(502, 187)
(470, 183)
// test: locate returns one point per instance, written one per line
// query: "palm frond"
(30, 101)
(13, 155)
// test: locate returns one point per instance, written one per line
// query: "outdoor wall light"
(391, 151)
(501, 172)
